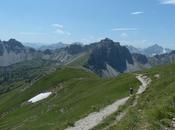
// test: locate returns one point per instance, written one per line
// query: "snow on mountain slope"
(39, 97)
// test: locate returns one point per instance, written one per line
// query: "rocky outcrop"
(74, 49)
(109, 58)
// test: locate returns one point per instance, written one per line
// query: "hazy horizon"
(40, 44)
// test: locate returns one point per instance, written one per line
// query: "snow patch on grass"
(40, 97)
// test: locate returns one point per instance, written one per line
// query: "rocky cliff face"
(109, 58)
(111, 53)
(140, 58)
(13, 51)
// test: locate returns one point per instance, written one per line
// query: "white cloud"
(167, 2)
(137, 13)
(124, 35)
(124, 29)
(60, 29)
(57, 25)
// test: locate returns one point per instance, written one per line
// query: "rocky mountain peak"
(156, 46)
(13, 45)
(108, 42)
(13, 51)
(74, 48)
(108, 53)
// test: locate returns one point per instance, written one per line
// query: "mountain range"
(43, 47)
(150, 51)
(106, 57)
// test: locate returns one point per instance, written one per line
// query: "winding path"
(145, 82)
(95, 118)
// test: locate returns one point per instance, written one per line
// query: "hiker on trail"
(131, 90)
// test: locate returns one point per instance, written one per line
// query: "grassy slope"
(80, 61)
(77, 93)
(24, 72)
(156, 107)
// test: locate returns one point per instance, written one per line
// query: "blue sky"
(135, 22)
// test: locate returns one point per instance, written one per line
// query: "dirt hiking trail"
(96, 118)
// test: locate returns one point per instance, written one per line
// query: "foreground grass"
(76, 94)
(156, 107)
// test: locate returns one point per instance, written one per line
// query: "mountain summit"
(154, 50)
(109, 58)
(13, 51)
